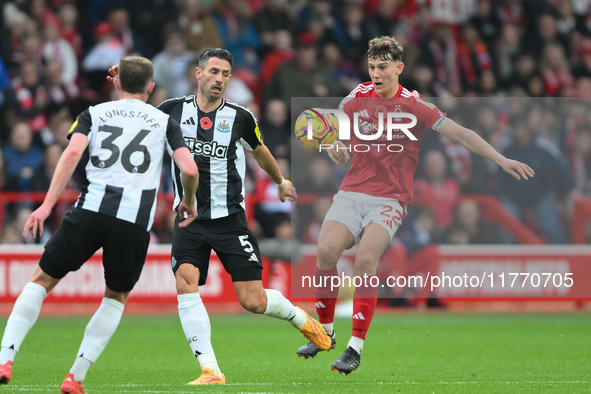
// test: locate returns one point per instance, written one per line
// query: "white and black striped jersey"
(126, 143)
(217, 140)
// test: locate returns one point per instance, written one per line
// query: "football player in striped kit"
(126, 141)
(217, 131)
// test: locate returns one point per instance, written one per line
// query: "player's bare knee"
(365, 263)
(328, 255)
(47, 284)
(183, 287)
(116, 295)
(186, 280)
(42, 279)
(254, 304)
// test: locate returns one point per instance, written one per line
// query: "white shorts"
(357, 210)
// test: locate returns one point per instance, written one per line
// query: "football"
(324, 128)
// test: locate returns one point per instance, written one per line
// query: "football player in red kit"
(378, 188)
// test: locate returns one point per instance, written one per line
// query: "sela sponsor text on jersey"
(206, 148)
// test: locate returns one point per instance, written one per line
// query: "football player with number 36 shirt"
(126, 140)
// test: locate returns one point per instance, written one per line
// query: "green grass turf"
(422, 353)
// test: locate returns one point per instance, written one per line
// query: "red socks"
(326, 297)
(364, 302)
(364, 305)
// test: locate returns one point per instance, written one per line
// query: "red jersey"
(385, 167)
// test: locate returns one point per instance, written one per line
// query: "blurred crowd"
(54, 55)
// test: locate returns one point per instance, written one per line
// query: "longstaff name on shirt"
(206, 148)
(128, 114)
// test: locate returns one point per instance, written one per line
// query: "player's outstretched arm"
(63, 171)
(190, 180)
(474, 143)
(285, 189)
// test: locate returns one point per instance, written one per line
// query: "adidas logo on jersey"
(189, 121)
(359, 316)
(253, 257)
(320, 305)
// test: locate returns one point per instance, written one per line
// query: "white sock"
(22, 318)
(197, 328)
(356, 343)
(80, 368)
(329, 327)
(279, 307)
(97, 335)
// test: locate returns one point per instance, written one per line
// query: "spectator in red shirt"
(28, 96)
(119, 20)
(104, 53)
(474, 56)
(441, 53)
(282, 51)
(556, 70)
(68, 15)
(55, 48)
(437, 190)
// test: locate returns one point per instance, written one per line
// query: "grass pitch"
(413, 353)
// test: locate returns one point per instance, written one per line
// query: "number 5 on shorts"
(245, 243)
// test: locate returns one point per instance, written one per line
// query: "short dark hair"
(135, 73)
(385, 48)
(214, 52)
